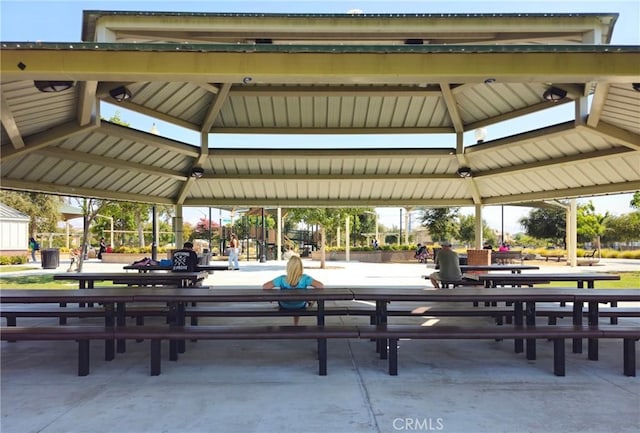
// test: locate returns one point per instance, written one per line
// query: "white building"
(14, 231)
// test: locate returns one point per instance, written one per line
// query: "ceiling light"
(120, 93)
(197, 172)
(636, 87)
(53, 86)
(480, 134)
(464, 172)
(553, 94)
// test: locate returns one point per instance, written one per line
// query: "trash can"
(50, 258)
(204, 259)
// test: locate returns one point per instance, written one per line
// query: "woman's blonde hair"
(294, 271)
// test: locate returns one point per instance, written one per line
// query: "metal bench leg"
(629, 356)
(558, 357)
(393, 356)
(173, 350)
(156, 356)
(322, 356)
(83, 357)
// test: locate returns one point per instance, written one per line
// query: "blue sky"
(61, 21)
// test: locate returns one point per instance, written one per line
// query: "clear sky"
(61, 21)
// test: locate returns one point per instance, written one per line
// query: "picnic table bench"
(556, 257)
(505, 257)
(393, 333)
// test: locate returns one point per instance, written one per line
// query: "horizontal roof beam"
(309, 67)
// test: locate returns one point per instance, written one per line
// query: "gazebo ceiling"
(324, 74)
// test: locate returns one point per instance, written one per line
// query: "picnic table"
(527, 279)
(523, 300)
(148, 268)
(180, 279)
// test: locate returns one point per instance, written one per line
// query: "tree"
(441, 223)
(635, 200)
(546, 223)
(91, 207)
(624, 228)
(42, 209)
(467, 230)
(590, 225)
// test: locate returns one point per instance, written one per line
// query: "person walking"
(33, 246)
(448, 264)
(295, 278)
(234, 251)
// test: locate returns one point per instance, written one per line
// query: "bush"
(13, 260)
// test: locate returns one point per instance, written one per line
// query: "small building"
(14, 231)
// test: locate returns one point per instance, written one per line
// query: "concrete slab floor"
(273, 386)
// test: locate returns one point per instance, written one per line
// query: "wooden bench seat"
(556, 333)
(82, 334)
(182, 333)
(505, 257)
(556, 257)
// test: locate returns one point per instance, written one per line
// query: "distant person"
(448, 264)
(33, 246)
(234, 252)
(487, 246)
(102, 248)
(185, 260)
(503, 247)
(374, 244)
(294, 279)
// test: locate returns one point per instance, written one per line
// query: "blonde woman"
(294, 279)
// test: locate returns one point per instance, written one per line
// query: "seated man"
(448, 263)
(185, 260)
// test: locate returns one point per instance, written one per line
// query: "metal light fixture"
(636, 86)
(120, 93)
(53, 86)
(480, 134)
(553, 94)
(464, 172)
(197, 172)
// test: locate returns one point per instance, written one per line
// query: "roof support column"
(478, 227)
(279, 234)
(347, 249)
(177, 226)
(572, 232)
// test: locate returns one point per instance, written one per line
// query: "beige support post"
(279, 235)
(347, 251)
(478, 224)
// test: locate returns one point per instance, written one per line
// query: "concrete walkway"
(273, 386)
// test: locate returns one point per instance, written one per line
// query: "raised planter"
(379, 256)
(127, 258)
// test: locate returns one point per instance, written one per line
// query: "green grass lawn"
(628, 280)
(40, 282)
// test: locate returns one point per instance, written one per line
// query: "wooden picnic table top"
(174, 294)
(87, 280)
(207, 268)
(530, 278)
(106, 276)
